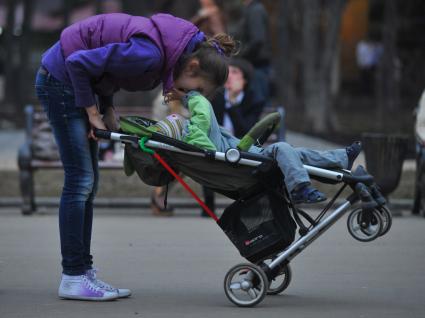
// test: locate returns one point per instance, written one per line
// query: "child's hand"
(174, 95)
(174, 100)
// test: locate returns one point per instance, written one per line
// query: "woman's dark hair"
(213, 55)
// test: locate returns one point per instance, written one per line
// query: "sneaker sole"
(72, 297)
(123, 294)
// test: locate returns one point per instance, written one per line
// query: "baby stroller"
(262, 221)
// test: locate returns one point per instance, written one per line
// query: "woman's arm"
(95, 120)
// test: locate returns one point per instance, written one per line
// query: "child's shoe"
(352, 153)
(122, 292)
(82, 288)
(307, 194)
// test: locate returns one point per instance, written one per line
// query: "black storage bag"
(259, 227)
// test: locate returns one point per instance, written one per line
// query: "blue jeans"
(80, 163)
(291, 160)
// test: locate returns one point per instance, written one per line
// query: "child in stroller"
(202, 130)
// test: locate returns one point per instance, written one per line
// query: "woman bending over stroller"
(99, 56)
(203, 130)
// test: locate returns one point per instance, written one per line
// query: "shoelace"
(104, 285)
(99, 283)
(90, 284)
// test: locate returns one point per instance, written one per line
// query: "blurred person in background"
(368, 55)
(419, 130)
(238, 107)
(210, 17)
(254, 34)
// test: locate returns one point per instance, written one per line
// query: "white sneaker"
(122, 292)
(82, 288)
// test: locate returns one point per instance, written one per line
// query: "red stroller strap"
(185, 185)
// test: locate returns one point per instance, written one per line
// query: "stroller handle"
(102, 134)
(111, 135)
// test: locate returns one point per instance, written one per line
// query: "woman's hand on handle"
(95, 120)
(110, 119)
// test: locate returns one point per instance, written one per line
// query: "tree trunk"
(320, 30)
(388, 96)
(289, 48)
(25, 79)
(311, 51)
(10, 66)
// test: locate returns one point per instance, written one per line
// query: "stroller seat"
(231, 180)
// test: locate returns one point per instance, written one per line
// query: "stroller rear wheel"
(246, 285)
(365, 231)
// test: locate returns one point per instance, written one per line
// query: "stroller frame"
(254, 281)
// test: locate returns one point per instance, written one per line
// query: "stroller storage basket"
(259, 227)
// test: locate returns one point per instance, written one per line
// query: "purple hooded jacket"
(170, 35)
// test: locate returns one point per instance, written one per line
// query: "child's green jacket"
(203, 129)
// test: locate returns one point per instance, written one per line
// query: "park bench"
(29, 162)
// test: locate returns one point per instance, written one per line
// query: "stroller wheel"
(387, 218)
(365, 232)
(246, 285)
(281, 281)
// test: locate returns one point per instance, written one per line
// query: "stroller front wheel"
(365, 231)
(246, 285)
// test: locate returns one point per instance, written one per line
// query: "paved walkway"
(175, 268)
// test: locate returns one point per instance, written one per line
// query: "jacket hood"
(175, 34)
